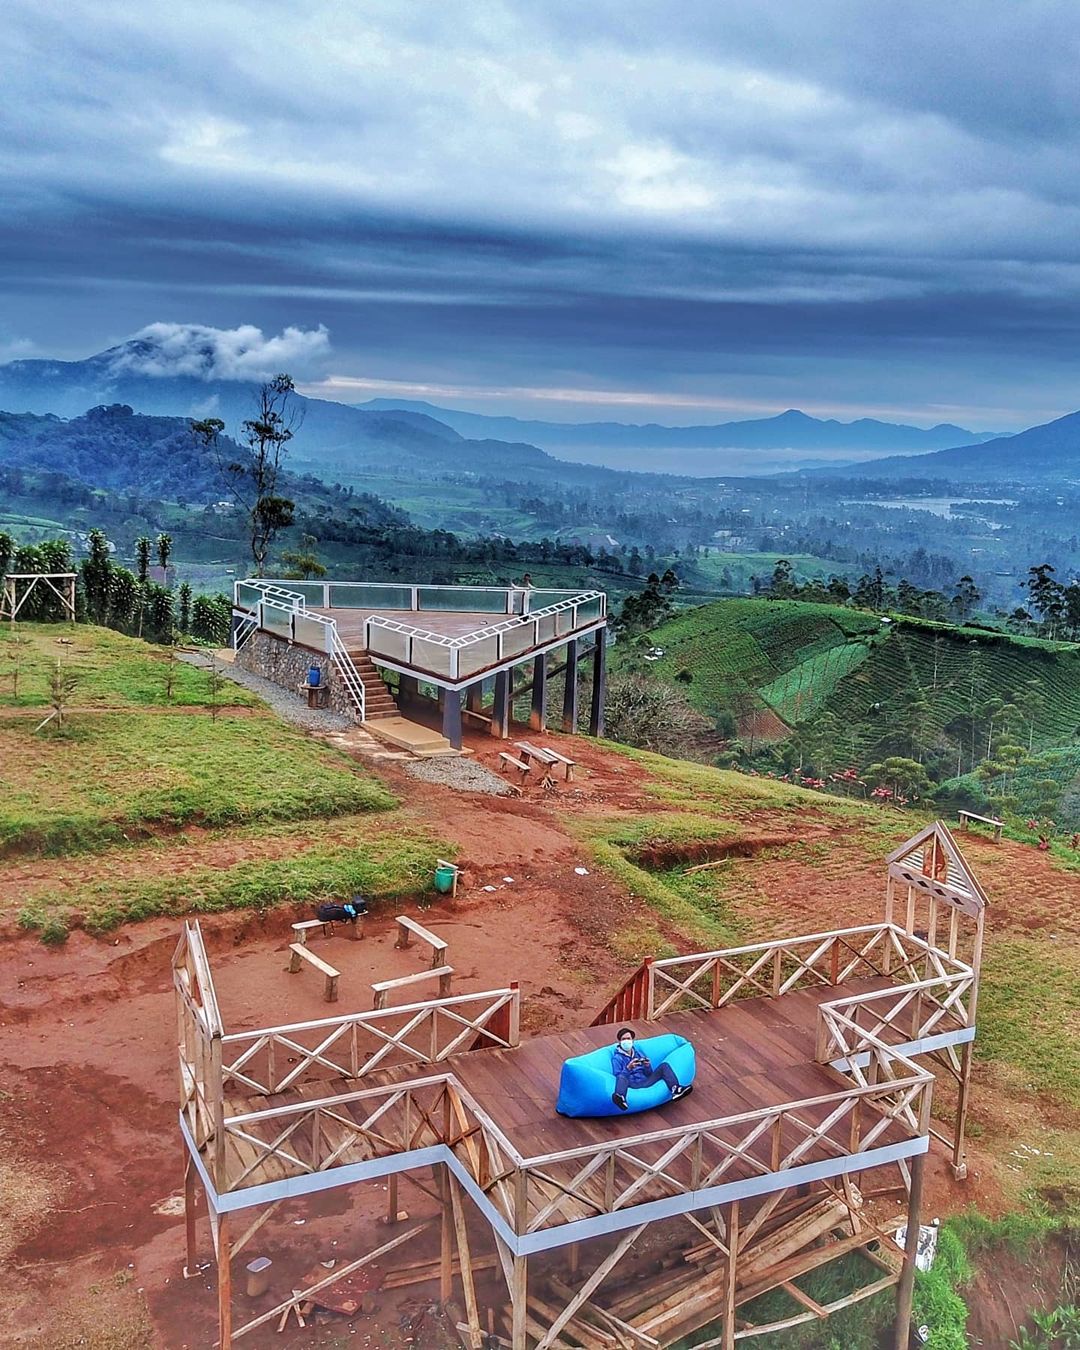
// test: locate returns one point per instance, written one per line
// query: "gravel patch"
(289, 707)
(461, 773)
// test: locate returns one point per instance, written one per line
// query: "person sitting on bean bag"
(633, 1069)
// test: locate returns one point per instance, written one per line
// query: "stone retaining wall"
(287, 663)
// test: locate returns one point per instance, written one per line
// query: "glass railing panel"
(386, 642)
(373, 595)
(517, 639)
(277, 620)
(312, 633)
(462, 599)
(312, 591)
(477, 656)
(432, 657)
(246, 595)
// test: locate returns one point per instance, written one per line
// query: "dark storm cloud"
(846, 204)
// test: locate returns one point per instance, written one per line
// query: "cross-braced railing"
(783, 966)
(913, 1012)
(199, 1034)
(888, 1103)
(274, 1059)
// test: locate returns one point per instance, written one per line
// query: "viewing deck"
(447, 634)
(463, 640)
(813, 1057)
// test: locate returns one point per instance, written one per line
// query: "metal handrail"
(492, 630)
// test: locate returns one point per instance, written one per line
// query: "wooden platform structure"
(462, 642)
(814, 1084)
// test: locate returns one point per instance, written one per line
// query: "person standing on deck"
(633, 1069)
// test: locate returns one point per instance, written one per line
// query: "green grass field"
(111, 670)
(115, 776)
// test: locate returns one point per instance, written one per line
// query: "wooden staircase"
(378, 700)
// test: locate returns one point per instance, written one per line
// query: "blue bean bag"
(588, 1081)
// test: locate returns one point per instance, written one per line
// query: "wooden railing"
(889, 1101)
(629, 1003)
(772, 969)
(274, 1059)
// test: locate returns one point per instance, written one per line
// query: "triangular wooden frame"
(931, 862)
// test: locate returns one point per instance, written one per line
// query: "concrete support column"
(570, 692)
(408, 690)
(906, 1288)
(599, 685)
(500, 707)
(474, 697)
(451, 716)
(538, 714)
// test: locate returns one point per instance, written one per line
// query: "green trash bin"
(444, 879)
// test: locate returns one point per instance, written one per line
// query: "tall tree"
(163, 544)
(254, 477)
(142, 557)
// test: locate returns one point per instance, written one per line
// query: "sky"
(619, 209)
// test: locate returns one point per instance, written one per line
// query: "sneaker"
(681, 1092)
(620, 1102)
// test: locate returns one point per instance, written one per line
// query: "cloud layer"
(880, 202)
(223, 353)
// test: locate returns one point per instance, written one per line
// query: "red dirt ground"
(87, 1040)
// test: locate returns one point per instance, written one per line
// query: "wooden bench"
(407, 927)
(545, 758)
(512, 762)
(568, 764)
(302, 952)
(441, 973)
(304, 928)
(966, 817)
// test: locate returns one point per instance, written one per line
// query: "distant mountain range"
(333, 435)
(387, 435)
(692, 450)
(1050, 451)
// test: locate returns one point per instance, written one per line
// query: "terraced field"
(791, 653)
(951, 670)
(876, 678)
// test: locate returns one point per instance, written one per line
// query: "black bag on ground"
(330, 913)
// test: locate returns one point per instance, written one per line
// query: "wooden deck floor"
(753, 1054)
(447, 623)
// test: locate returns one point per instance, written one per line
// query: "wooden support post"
(446, 1237)
(959, 1158)
(465, 1264)
(519, 1311)
(599, 685)
(189, 1211)
(224, 1283)
(500, 708)
(451, 716)
(570, 690)
(906, 1288)
(538, 713)
(728, 1342)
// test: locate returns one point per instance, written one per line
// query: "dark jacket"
(621, 1062)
